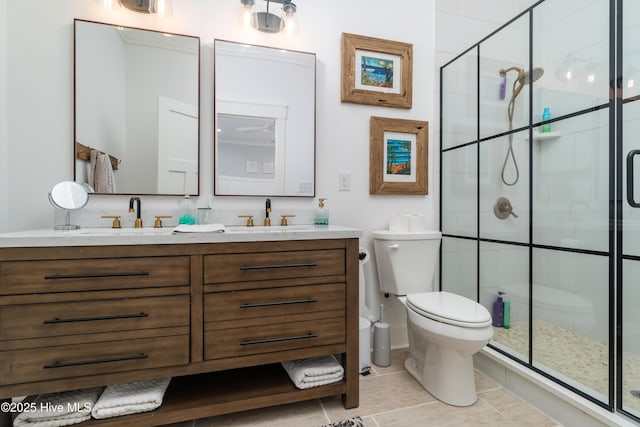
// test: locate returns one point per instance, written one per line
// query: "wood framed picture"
(398, 156)
(376, 71)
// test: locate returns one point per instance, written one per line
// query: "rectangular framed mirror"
(137, 102)
(265, 108)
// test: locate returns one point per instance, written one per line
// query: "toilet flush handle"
(393, 246)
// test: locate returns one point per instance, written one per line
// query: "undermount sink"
(126, 231)
(269, 229)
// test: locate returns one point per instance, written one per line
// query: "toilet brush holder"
(381, 342)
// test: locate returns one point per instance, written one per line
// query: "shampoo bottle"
(322, 213)
(186, 211)
(498, 310)
(546, 115)
(503, 87)
(506, 322)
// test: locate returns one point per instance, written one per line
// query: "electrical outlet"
(344, 181)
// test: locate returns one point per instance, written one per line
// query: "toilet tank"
(406, 260)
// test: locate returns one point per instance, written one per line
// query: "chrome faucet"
(267, 220)
(138, 223)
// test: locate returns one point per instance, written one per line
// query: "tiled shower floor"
(576, 359)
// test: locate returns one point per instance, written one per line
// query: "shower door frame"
(616, 199)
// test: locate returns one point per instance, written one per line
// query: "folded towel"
(60, 409)
(199, 228)
(101, 176)
(314, 372)
(124, 399)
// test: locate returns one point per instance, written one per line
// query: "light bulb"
(110, 5)
(248, 12)
(630, 83)
(591, 78)
(289, 10)
(289, 23)
(162, 7)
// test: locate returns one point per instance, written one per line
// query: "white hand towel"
(132, 398)
(199, 228)
(314, 372)
(60, 409)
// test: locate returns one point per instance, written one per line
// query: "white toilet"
(445, 330)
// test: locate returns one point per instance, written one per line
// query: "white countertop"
(164, 236)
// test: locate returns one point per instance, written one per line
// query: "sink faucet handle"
(116, 220)
(158, 221)
(249, 219)
(283, 221)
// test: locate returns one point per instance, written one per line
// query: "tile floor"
(391, 397)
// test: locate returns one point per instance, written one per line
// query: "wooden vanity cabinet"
(216, 317)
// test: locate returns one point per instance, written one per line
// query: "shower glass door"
(629, 265)
(551, 246)
(572, 245)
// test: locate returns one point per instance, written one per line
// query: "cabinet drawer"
(273, 302)
(273, 265)
(272, 338)
(21, 366)
(26, 277)
(86, 317)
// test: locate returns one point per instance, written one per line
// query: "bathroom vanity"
(217, 312)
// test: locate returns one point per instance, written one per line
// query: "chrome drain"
(635, 393)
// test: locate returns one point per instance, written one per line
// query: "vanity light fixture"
(269, 22)
(160, 7)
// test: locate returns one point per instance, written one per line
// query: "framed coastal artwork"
(398, 156)
(376, 71)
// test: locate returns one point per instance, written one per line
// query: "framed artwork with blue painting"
(376, 71)
(398, 156)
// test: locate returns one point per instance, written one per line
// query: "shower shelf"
(545, 136)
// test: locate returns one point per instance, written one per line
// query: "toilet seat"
(449, 308)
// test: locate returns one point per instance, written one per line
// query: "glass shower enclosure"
(539, 154)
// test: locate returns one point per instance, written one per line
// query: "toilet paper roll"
(416, 222)
(399, 223)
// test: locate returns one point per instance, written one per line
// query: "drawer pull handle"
(89, 319)
(264, 267)
(95, 275)
(92, 361)
(270, 340)
(267, 304)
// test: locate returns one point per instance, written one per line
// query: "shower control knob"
(502, 208)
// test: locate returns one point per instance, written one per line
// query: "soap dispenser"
(186, 211)
(498, 310)
(322, 213)
(506, 317)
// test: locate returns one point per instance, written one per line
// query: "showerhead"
(525, 78)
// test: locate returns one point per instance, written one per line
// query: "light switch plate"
(344, 181)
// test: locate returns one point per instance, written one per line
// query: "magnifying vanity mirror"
(265, 121)
(136, 110)
(68, 196)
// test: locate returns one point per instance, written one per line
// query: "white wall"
(37, 149)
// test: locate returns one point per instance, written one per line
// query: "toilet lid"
(450, 308)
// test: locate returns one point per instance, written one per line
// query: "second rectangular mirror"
(265, 121)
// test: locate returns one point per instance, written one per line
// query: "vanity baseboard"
(205, 382)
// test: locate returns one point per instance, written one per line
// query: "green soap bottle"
(507, 314)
